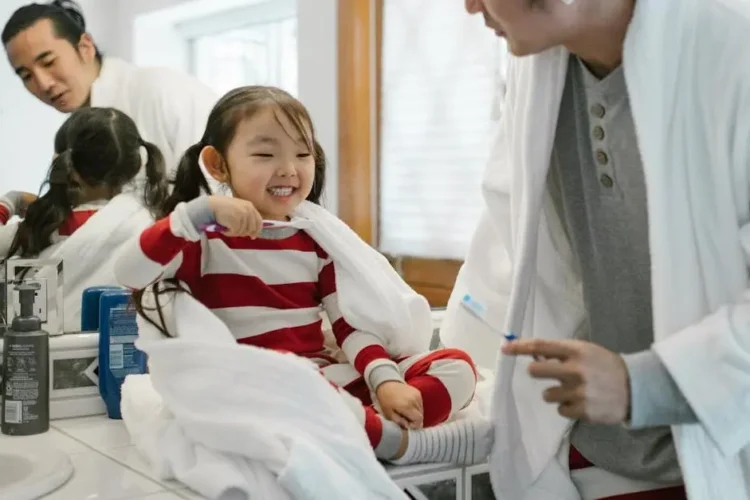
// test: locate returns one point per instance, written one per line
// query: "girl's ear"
(214, 163)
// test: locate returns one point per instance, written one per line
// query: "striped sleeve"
(165, 250)
(7, 207)
(7, 231)
(4, 214)
(363, 350)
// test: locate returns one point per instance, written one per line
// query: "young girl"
(98, 151)
(270, 285)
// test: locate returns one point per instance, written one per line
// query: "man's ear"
(87, 48)
(214, 163)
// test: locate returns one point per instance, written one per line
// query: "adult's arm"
(710, 364)
(655, 398)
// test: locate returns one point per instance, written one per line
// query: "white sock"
(465, 442)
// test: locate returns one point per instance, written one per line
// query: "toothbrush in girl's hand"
(477, 310)
(299, 223)
(215, 227)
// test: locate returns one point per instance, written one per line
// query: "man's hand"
(401, 403)
(594, 382)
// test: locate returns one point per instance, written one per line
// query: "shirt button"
(598, 111)
(598, 133)
(606, 181)
(601, 157)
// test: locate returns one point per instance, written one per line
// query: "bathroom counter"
(108, 467)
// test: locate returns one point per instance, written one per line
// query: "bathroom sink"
(26, 475)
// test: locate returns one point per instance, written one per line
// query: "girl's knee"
(467, 380)
(459, 375)
(460, 355)
(463, 367)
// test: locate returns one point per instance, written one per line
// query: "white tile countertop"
(108, 467)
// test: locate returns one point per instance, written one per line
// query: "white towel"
(372, 296)
(236, 421)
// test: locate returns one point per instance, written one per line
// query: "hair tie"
(72, 10)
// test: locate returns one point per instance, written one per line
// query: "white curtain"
(442, 72)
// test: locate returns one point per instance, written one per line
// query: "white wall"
(100, 22)
(27, 127)
(155, 44)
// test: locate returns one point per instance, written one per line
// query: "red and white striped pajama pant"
(446, 378)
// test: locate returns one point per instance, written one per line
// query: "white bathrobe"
(687, 67)
(170, 108)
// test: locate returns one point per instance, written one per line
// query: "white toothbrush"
(267, 224)
(297, 223)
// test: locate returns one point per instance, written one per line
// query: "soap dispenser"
(25, 408)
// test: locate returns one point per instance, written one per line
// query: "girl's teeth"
(285, 191)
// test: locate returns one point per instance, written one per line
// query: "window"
(419, 84)
(263, 54)
(257, 46)
(441, 69)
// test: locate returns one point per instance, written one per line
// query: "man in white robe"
(612, 245)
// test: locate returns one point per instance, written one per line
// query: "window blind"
(441, 71)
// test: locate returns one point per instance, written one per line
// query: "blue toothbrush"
(478, 311)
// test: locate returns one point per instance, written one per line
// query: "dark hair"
(66, 17)
(243, 102)
(102, 147)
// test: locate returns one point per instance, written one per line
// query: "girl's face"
(269, 164)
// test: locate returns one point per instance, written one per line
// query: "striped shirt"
(269, 291)
(75, 220)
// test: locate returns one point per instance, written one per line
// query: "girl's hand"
(25, 201)
(239, 216)
(20, 201)
(401, 403)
